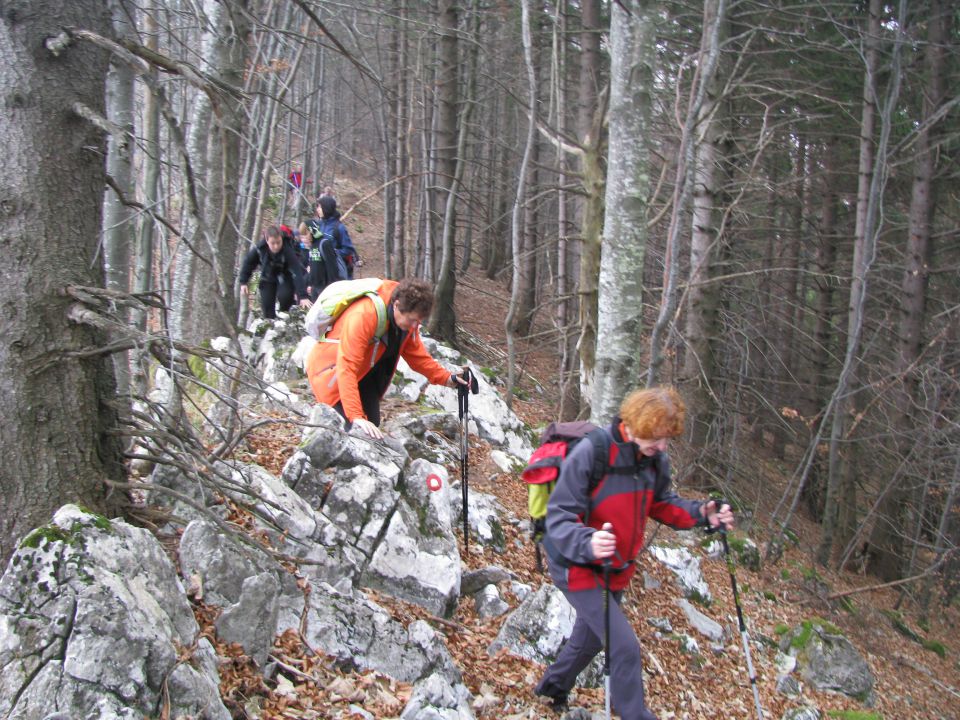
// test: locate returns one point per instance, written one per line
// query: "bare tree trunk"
(212, 285)
(55, 383)
(513, 312)
(389, 110)
(632, 34)
(182, 323)
(143, 267)
(119, 221)
(444, 320)
(499, 231)
(592, 128)
(569, 389)
(528, 250)
(319, 123)
(398, 233)
(683, 191)
(425, 216)
(869, 193)
(887, 538)
(789, 301)
(703, 297)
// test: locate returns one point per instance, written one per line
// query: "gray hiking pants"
(586, 640)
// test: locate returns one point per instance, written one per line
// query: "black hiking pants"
(370, 394)
(374, 384)
(276, 293)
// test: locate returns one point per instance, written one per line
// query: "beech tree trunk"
(212, 288)
(592, 128)
(632, 35)
(55, 437)
(119, 227)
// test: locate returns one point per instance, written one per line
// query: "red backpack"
(543, 469)
(289, 237)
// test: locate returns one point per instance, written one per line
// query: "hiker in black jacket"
(586, 531)
(280, 273)
(321, 263)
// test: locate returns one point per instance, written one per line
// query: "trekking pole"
(463, 407)
(736, 601)
(606, 637)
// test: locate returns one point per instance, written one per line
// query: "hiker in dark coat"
(320, 260)
(327, 222)
(583, 532)
(281, 273)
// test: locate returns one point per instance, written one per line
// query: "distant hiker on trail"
(320, 261)
(281, 273)
(295, 187)
(327, 222)
(351, 369)
(585, 533)
(296, 179)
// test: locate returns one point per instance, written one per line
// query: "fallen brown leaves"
(270, 446)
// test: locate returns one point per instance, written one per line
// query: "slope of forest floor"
(913, 679)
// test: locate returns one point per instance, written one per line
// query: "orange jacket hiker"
(350, 350)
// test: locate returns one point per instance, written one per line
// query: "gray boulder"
(330, 557)
(407, 383)
(361, 503)
(686, 567)
(417, 558)
(359, 633)
(252, 620)
(309, 482)
(92, 622)
(276, 355)
(489, 418)
(272, 500)
(704, 625)
(436, 698)
(804, 713)
(538, 627)
(744, 550)
(489, 603)
(216, 565)
(434, 436)
(327, 444)
(828, 661)
(418, 567)
(196, 492)
(474, 580)
(484, 518)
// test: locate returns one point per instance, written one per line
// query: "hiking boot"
(558, 698)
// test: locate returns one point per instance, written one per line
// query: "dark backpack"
(319, 235)
(543, 468)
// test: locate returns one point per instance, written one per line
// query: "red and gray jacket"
(635, 487)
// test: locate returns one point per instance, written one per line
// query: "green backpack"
(337, 297)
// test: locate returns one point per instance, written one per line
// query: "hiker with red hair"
(592, 540)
